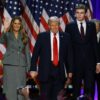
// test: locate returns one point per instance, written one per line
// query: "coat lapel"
(87, 28)
(61, 36)
(78, 32)
(76, 26)
(48, 44)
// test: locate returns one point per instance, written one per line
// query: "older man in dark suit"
(54, 51)
(83, 36)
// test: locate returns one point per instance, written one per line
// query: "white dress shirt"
(51, 39)
(84, 25)
(98, 37)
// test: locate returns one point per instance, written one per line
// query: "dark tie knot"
(81, 23)
(82, 26)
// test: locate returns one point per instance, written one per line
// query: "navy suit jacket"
(42, 50)
(84, 50)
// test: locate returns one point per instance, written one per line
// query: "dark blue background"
(96, 8)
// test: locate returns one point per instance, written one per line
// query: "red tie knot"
(54, 34)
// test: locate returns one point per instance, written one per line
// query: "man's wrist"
(98, 63)
(0, 62)
(70, 75)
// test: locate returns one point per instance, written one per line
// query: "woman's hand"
(6, 24)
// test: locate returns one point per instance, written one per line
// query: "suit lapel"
(79, 34)
(13, 38)
(48, 44)
(87, 28)
(61, 36)
(77, 30)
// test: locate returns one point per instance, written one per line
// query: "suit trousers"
(98, 85)
(50, 89)
(88, 82)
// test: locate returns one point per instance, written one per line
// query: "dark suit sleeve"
(67, 29)
(3, 38)
(69, 62)
(94, 40)
(36, 54)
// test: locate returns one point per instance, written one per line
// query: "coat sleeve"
(36, 54)
(95, 44)
(28, 56)
(69, 56)
(3, 38)
(67, 29)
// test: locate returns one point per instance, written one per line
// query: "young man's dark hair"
(81, 6)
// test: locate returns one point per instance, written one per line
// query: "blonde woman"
(16, 61)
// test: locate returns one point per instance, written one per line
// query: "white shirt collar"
(80, 21)
(53, 33)
(83, 23)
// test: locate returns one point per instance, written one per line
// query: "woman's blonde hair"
(21, 30)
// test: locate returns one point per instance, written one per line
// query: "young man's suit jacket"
(85, 50)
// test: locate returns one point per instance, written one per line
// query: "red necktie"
(82, 30)
(55, 51)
